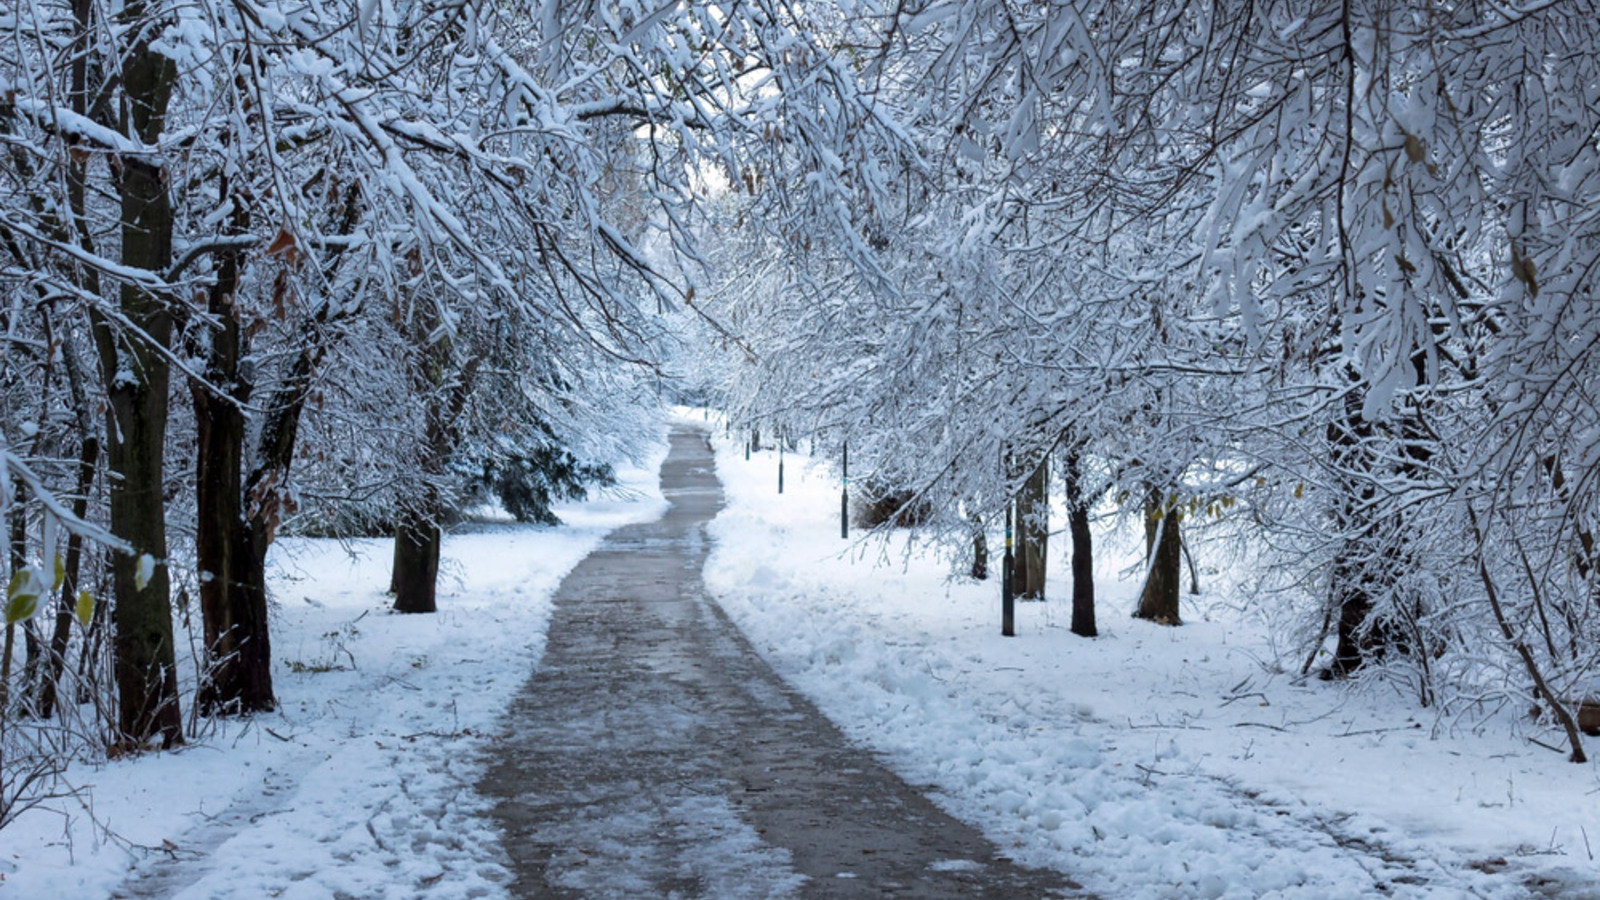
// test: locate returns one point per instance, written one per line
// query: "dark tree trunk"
(66, 601)
(243, 511)
(33, 664)
(1019, 555)
(1082, 550)
(237, 677)
(1194, 573)
(147, 678)
(1377, 548)
(980, 550)
(415, 576)
(1355, 570)
(233, 604)
(416, 563)
(136, 375)
(1033, 534)
(1164, 557)
(1354, 604)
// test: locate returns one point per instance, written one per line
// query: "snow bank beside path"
(363, 784)
(1150, 762)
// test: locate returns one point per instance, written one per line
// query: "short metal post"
(747, 448)
(1007, 601)
(780, 465)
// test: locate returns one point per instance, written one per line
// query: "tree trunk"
(136, 375)
(32, 665)
(1355, 569)
(147, 678)
(415, 576)
(1164, 557)
(416, 563)
(1194, 572)
(66, 601)
(1082, 550)
(980, 550)
(237, 676)
(1033, 534)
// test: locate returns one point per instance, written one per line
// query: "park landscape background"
(1293, 300)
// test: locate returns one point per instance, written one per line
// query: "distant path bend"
(655, 754)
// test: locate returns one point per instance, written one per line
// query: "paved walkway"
(654, 754)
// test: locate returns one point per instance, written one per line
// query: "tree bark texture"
(417, 533)
(233, 604)
(980, 550)
(1164, 556)
(66, 601)
(1033, 534)
(1356, 571)
(237, 677)
(416, 562)
(137, 380)
(1082, 550)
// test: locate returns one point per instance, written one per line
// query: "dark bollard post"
(844, 496)
(746, 449)
(1007, 601)
(780, 467)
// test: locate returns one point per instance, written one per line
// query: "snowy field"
(1150, 762)
(362, 785)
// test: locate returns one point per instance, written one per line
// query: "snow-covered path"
(655, 754)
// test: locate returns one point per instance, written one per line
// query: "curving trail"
(655, 754)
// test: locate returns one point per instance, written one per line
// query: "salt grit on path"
(362, 785)
(1150, 762)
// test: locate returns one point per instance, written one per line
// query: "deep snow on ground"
(1150, 761)
(362, 785)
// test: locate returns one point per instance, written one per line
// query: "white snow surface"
(362, 785)
(1152, 761)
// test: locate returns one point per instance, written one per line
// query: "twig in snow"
(1372, 731)
(1228, 700)
(1148, 771)
(1534, 740)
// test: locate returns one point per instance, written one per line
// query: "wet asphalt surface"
(655, 754)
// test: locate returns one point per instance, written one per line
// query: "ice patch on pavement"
(695, 843)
